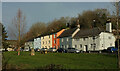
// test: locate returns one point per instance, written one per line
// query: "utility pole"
(93, 35)
(117, 18)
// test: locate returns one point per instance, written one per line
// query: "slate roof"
(30, 40)
(67, 33)
(88, 32)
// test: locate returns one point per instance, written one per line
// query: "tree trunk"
(18, 51)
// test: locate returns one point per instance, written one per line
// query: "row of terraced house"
(94, 39)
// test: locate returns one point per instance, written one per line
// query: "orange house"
(55, 40)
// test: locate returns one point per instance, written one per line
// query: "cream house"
(46, 41)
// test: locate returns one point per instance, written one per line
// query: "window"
(62, 39)
(67, 39)
(110, 44)
(109, 37)
(69, 46)
(80, 45)
(73, 39)
(75, 46)
(91, 45)
(62, 46)
(102, 45)
(54, 35)
(65, 46)
(54, 41)
(84, 39)
(93, 37)
(77, 39)
(94, 45)
(49, 41)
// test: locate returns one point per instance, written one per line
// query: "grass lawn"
(63, 60)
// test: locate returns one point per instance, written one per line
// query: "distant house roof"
(49, 33)
(30, 40)
(88, 32)
(67, 33)
(37, 36)
(11, 41)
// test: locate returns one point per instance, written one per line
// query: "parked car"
(52, 50)
(73, 50)
(112, 49)
(26, 49)
(1, 49)
(43, 49)
(37, 50)
(61, 50)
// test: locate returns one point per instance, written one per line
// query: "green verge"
(61, 60)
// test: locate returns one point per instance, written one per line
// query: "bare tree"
(115, 18)
(18, 28)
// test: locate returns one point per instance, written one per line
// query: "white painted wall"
(66, 42)
(88, 41)
(29, 44)
(102, 41)
(37, 43)
(107, 40)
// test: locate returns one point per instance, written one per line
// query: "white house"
(29, 44)
(93, 40)
(37, 42)
(66, 37)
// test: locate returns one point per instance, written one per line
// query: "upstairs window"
(109, 37)
(49, 41)
(80, 45)
(54, 41)
(62, 39)
(54, 35)
(84, 39)
(67, 39)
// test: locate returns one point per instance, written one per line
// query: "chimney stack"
(78, 25)
(108, 26)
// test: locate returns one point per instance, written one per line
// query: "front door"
(86, 48)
